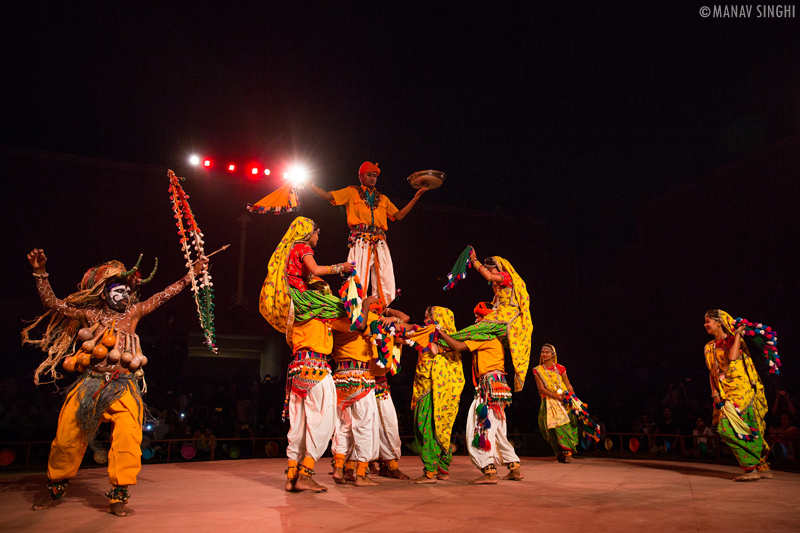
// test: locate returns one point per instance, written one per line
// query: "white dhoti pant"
(502, 451)
(389, 430)
(357, 430)
(363, 255)
(312, 420)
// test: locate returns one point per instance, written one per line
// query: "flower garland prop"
(578, 408)
(459, 270)
(188, 229)
(766, 339)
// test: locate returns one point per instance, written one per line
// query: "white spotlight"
(195, 160)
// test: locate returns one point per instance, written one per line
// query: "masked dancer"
(100, 321)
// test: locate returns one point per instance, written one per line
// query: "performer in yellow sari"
(739, 401)
(438, 383)
(510, 315)
(295, 302)
(558, 427)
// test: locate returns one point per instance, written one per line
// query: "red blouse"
(296, 271)
(506, 279)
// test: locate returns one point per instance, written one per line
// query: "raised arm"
(488, 276)
(37, 259)
(733, 355)
(394, 313)
(318, 270)
(157, 300)
(325, 195)
(403, 212)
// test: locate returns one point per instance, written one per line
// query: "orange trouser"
(69, 446)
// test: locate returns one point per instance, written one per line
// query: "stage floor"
(589, 494)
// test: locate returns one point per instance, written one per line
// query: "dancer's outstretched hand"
(472, 256)
(347, 267)
(37, 259)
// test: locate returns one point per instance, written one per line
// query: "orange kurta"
(358, 212)
(488, 356)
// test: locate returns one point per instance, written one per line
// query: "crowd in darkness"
(243, 405)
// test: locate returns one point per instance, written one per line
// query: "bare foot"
(423, 480)
(765, 474)
(568, 459)
(561, 457)
(365, 481)
(749, 476)
(290, 485)
(442, 476)
(397, 474)
(306, 483)
(43, 503)
(486, 479)
(338, 476)
(119, 509)
(514, 475)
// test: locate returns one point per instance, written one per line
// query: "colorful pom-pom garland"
(578, 408)
(766, 338)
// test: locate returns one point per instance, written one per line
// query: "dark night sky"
(569, 112)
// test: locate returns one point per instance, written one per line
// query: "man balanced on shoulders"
(367, 214)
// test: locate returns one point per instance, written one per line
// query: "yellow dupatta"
(275, 302)
(520, 326)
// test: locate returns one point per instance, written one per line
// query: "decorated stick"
(187, 227)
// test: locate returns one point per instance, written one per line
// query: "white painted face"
(119, 297)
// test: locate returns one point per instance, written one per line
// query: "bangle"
(40, 276)
(476, 264)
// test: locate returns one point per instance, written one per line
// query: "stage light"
(266, 172)
(195, 160)
(231, 167)
(207, 163)
(254, 170)
(296, 174)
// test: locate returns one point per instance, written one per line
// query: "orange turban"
(366, 166)
(482, 309)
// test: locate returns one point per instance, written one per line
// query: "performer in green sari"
(558, 426)
(740, 404)
(438, 383)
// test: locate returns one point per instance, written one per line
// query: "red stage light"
(231, 167)
(266, 172)
(254, 170)
(207, 163)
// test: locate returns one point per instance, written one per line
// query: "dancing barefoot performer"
(367, 213)
(438, 383)
(509, 317)
(101, 320)
(558, 427)
(295, 302)
(358, 420)
(738, 394)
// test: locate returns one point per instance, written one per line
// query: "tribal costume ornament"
(188, 229)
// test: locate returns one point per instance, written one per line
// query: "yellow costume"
(438, 383)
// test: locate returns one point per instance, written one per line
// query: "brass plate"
(432, 179)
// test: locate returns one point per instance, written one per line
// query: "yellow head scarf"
(520, 328)
(444, 318)
(275, 302)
